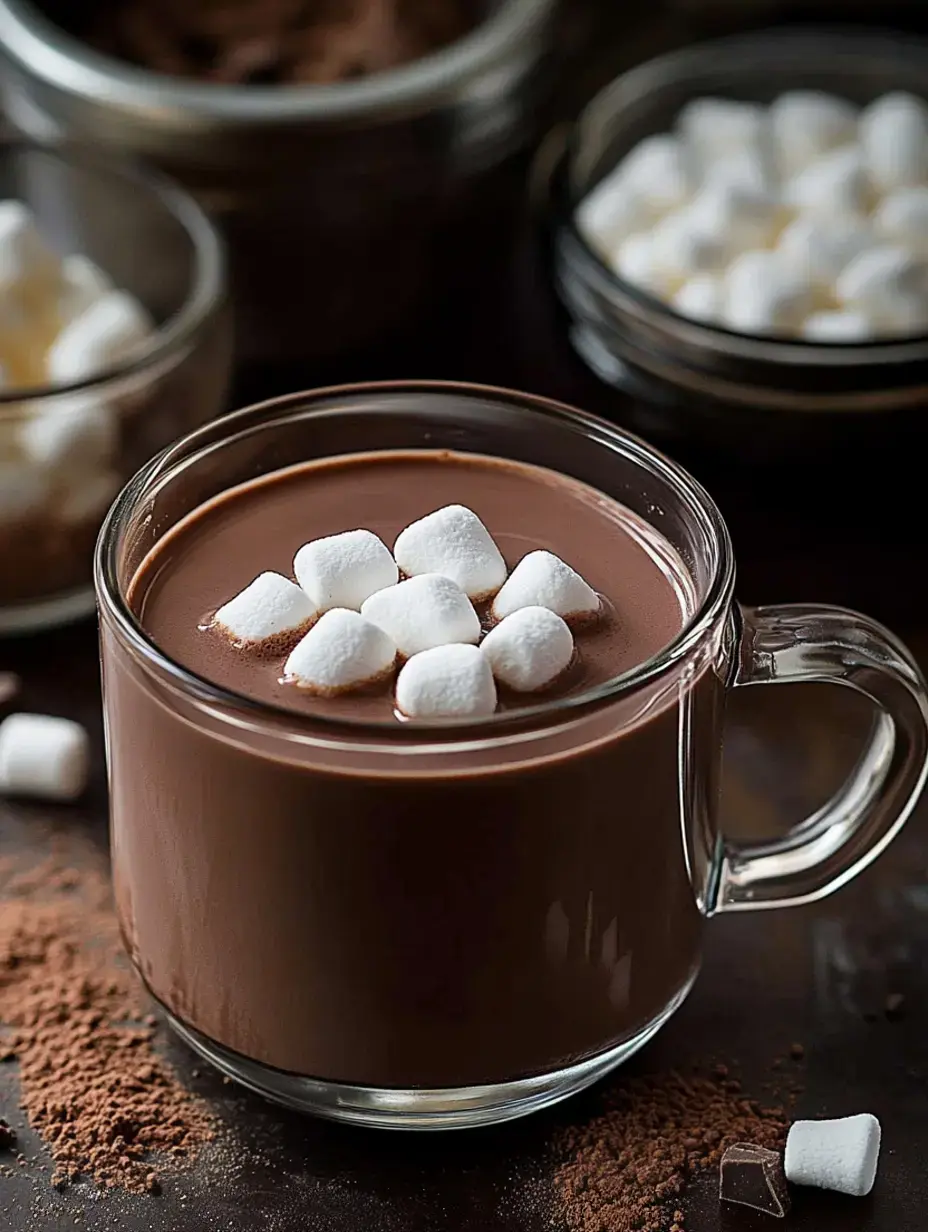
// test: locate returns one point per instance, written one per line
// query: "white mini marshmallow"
(883, 282)
(820, 248)
(421, 613)
(453, 542)
(634, 260)
(658, 172)
(344, 570)
(610, 213)
(24, 490)
(837, 183)
(25, 258)
(78, 431)
(746, 169)
(718, 126)
(82, 284)
(838, 327)
(542, 579)
(43, 756)
(894, 138)
(806, 124)
(764, 295)
(86, 497)
(107, 333)
(840, 1155)
(269, 606)
(342, 651)
(684, 244)
(744, 217)
(902, 217)
(700, 298)
(529, 649)
(446, 682)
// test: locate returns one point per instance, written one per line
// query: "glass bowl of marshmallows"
(740, 233)
(114, 340)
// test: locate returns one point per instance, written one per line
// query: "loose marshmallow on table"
(837, 183)
(80, 431)
(894, 139)
(43, 756)
(840, 1155)
(107, 333)
(267, 608)
(529, 649)
(805, 124)
(344, 570)
(446, 682)
(421, 613)
(342, 651)
(902, 217)
(542, 579)
(838, 327)
(820, 248)
(453, 542)
(765, 295)
(700, 298)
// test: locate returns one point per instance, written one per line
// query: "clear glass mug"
(434, 928)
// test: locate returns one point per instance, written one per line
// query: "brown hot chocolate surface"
(222, 547)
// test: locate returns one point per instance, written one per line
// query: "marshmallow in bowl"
(344, 570)
(453, 542)
(902, 217)
(80, 431)
(423, 612)
(805, 124)
(542, 579)
(82, 284)
(820, 248)
(43, 756)
(105, 334)
(341, 652)
(529, 649)
(835, 184)
(715, 128)
(764, 294)
(894, 140)
(700, 298)
(446, 682)
(267, 609)
(882, 280)
(658, 172)
(846, 326)
(25, 258)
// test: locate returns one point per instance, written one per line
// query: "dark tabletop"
(820, 976)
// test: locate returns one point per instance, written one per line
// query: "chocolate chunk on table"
(753, 1176)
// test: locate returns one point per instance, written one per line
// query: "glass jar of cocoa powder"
(68, 446)
(353, 191)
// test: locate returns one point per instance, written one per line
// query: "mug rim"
(219, 433)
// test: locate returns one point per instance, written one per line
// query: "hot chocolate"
(444, 918)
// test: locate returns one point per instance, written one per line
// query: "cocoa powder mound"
(626, 1169)
(74, 1017)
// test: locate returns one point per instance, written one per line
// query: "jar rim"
(207, 284)
(210, 437)
(64, 61)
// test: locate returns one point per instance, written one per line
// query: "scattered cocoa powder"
(271, 42)
(72, 1014)
(626, 1169)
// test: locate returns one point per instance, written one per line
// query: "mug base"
(420, 1108)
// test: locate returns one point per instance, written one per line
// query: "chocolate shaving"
(753, 1176)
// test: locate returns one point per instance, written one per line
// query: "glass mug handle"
(830, 644)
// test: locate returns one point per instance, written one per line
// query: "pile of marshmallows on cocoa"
(358, 619)
(61, 322)
(804, 219)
